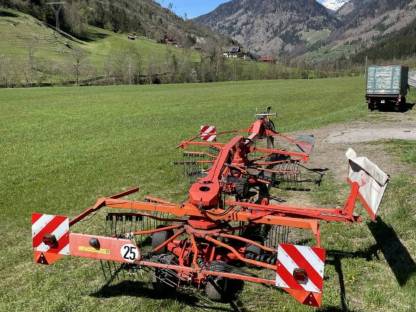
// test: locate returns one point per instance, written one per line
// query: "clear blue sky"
(193, 8)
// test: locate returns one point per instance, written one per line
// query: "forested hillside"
(144, 17)
(400, 44)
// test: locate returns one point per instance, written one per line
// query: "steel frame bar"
(166, 228)
(297, 155)
(173, 237)
(239, 256)
(248, 241)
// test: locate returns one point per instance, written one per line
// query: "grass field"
(61, 148)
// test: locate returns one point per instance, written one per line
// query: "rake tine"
(102, 269)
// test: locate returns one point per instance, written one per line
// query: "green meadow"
(62, 148)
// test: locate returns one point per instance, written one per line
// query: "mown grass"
(61, 148)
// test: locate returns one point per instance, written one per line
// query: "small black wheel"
(219, 288)
(159, 238)
(253, 252)
(253, 249)
(242, 188)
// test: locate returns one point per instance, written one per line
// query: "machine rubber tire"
(219, 288)
(253, 252)
(253, 249)
(160, 237)
(242, 188)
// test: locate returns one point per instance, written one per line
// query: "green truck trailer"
(387, 86)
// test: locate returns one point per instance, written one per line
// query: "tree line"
(125, 65)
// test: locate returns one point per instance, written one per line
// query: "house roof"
(267, 58)
(234, 50)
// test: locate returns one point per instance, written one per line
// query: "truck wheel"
(397, 107)
(403, 104)
(371, 106)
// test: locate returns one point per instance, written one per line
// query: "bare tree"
(124, 64)
(4, 71)
(76, 16)
(78, 63)
(30, 65)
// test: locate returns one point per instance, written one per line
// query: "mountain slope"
(399, 44)
(306, 30)
(364, 24)
(145, 17)
(272, 26)
(33, 53)
(371, 19)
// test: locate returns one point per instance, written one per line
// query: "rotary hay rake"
(229, 220)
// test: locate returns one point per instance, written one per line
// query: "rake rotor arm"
(324, 214)
(294, 155)
(99, 204)
(191, 141)
(185, 144)
(216, 215)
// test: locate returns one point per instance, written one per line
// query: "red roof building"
(267, 59)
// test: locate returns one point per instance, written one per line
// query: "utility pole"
(366, 65)
(56, 7)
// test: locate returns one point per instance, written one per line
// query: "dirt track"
(357, 135)
(333, 141)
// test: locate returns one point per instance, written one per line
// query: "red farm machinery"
(230, 228)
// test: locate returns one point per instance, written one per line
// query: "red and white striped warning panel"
(50, 234)
(300, 268)
(208, 133)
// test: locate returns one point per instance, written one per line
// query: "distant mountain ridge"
(308, 30)
(272, 26)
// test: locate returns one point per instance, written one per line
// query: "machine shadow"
(388, 242)
(395, 253)
(142, 290)
(334, 257)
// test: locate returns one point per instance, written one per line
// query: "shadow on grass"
(334, 258)
(7, 14)
(90, 37)
(387, 241)
(336, 262)
(143, 290)
(392, 108)
(395, 253)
